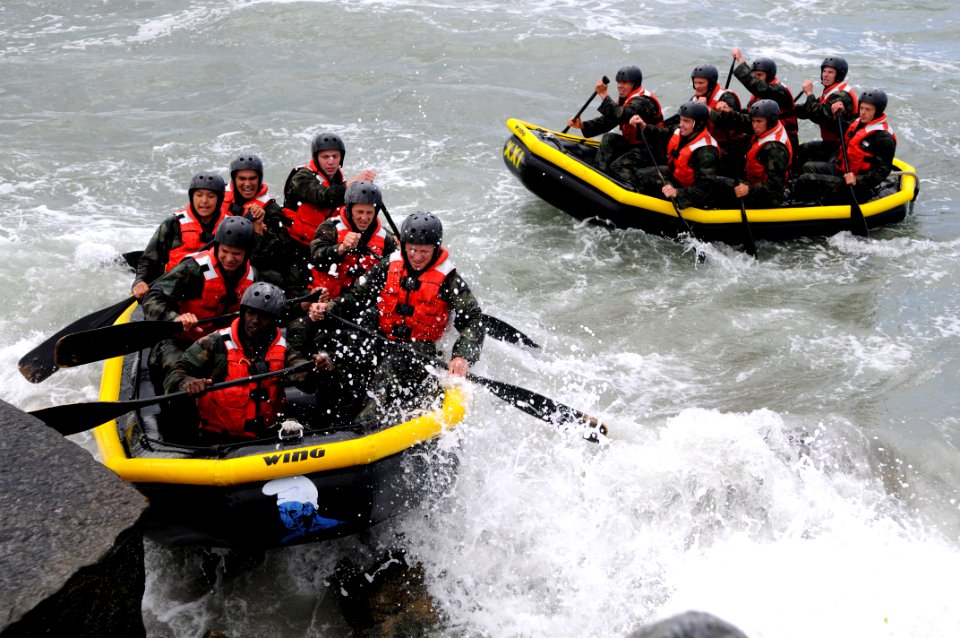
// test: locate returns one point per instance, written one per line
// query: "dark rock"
(691, 624)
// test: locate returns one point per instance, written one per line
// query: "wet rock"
(691, 624)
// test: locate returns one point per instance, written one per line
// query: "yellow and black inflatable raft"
(323, 484)
(558, 168)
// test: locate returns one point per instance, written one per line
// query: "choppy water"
(710, 375)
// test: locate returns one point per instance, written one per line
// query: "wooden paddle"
(496, 328)
(74, 418)
(40, 363)
(534, 404)
(858, 223)
(88, 346)
(583, 108)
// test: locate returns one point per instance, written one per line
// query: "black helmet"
(766, 65)
(838, 64)
(210, 182)
(876, 97)
(767, 109)
(362, 192)
(707, 72)
(236, 232)
(328, 142)
(697, 111)
(246, 163)
(421, 228)
(264, 297)
(630, 74)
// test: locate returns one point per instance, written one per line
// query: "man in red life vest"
(252, 344)
(621, 155)
(314, 193)
(692, 159)
(837, 96)
(871, 147)
(767, 160)
(350, 244)
(760, 78)
(248, 196)
(206, 284)
(183, 233)
(411, 296)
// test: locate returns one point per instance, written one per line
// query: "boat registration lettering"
(514, 153)
(294, 457)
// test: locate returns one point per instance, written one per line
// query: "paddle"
(132, 258)
(544, 408)
(583, 108)
(748, 244)
(496, 328)
(112, 341)
(733, 63)
(858, 224)
(79, 417)
(39, 363)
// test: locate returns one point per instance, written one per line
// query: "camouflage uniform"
(762, 90)
(272, 250)
(165, 239)
(323, 248)
(774, 157)
(400, 380)
(618, 157)
(162, 303)
(823, 115)
(822, 182)
(705, 162)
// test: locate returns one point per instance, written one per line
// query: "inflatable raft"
(318, 485)
(558, 168)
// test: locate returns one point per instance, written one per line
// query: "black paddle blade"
(503, 331)
(40, 363)
(132, 258)
(544, 408)
(74, 418)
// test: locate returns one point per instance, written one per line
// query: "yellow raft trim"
(726, 216)
(290, 461)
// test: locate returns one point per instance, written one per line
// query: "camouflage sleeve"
(607, 120)
(360, 301)
(154, 259)
(658, 137)
(705, 161)
(323, 248)
(644, 107)
(206, 358)
(162, 301)
(468, 319)
(307, 188)
(818, 113)
(736, 120)
(884, 148)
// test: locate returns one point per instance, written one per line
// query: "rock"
(691, 624)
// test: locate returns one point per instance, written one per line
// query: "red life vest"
(306, 217)
(861, 159)
(787, 116)
(211, 301)
(261, 199)
(414, 315)
(243, 409)
(629, 131)
(756, 172)
(354, 263)
(829, 133)
(719, 134)
(190, 232)
(679, 160)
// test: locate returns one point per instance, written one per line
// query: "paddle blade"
(74, 418)
(503, 331)
(39, 363)
(544, 408)
(88, 346)
(132, 258)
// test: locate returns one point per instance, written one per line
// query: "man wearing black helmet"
(251, 345)
(706, 88)
(692, 159)
(410, 298)
(760, 78)
(621, 155)
(314, 193)
(871, 147)
(248, 196)
(767, 160)
(837, 96)
(183, 233)
(203, 285)
(350, 244)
